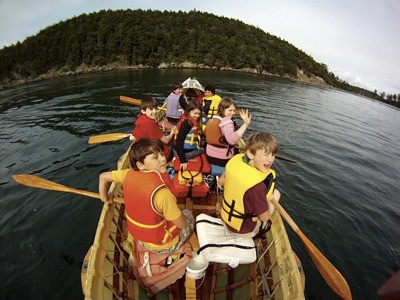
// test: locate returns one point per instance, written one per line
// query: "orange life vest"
(144, 222)
(214, 134)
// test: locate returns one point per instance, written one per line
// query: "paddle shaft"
(137, 102)
(331, 275)
(108, 137)
(285, 159)
(41, 183)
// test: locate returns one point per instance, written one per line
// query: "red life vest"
(144, 222)
(192, 139)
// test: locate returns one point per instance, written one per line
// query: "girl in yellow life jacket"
(221, 135)
(187, 136)
(249, 185)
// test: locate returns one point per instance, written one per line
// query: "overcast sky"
(359, 40)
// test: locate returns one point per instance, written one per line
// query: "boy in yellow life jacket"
(210, 103)
(249, 185)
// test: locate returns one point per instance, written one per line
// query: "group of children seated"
(208, 119)
(155, 222)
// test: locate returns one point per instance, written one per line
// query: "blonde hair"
(262, 140)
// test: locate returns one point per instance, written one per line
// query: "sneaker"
(220, 189)
(209, 180)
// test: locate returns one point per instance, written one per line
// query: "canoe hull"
(106, 273)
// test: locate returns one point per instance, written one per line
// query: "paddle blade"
(38, 182)
(41, 183)
(109, 137)
(331, 275)
(130, 100)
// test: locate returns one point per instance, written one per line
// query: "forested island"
(138, 39)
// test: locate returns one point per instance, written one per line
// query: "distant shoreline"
(84, 69)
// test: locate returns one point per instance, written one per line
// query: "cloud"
(357, 35)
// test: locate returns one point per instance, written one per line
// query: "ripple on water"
(343, 192)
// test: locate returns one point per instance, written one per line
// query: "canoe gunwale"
(108, 275)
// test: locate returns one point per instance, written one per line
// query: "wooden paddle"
(137, 102)
(331, 275)
(285, 159)
(40, 183)
(130, 100)
(108, 137)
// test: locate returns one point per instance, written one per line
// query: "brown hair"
(262, 140)
(142, 148)
(224, 104)
(210, 88)
(176, 85)
(148, 103)
(192, 105)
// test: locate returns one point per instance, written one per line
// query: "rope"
(202, 281)
(264, 280)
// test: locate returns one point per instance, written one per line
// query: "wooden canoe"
(106, 273)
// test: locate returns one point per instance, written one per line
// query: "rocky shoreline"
(85, 69)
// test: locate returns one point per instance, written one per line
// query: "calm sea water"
(343, 193)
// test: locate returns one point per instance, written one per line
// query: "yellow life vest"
(239, 177)
(213, 109)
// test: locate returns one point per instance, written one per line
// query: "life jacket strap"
(232, 211)
(224, 245)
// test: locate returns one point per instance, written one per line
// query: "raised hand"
(246, 117)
